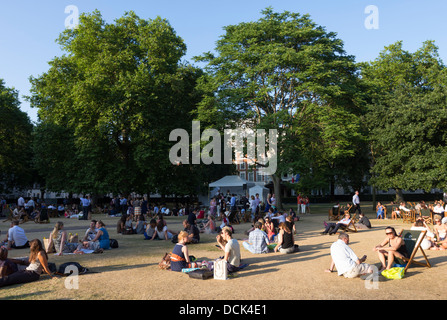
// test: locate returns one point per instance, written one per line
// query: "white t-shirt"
(233, 248)
(161, 235)
(17, 235)
(343, 256)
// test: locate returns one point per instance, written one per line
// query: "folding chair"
(413, 240)
(351, 226)
(334, 214)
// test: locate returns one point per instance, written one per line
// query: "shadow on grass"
(26, 295)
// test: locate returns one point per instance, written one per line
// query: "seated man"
(332, 228)
(345, 260)
(193, 232)
(16, 237)
(257, 241)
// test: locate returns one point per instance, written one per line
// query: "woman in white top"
(38, 262)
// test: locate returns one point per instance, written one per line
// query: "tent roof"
(229, 181)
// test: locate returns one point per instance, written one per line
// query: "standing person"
(233, 208)
(16, 237)
(257, 202)
(213, 206)
(85, 202)
(393, 246)
(303, 205)
(21, 203)
(136, 209)
(346, 261)
(356, 202)
(231, 248)
(38, 261)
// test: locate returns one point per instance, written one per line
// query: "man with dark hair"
(257, 240)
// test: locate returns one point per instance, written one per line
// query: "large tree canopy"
(285, 72)
(15, 141)
(407, 117)
(114, 95)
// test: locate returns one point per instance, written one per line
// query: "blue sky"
(28, 29)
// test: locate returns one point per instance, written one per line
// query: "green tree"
(285, 72)
(15, 142)
(115, 94)
(407, 117)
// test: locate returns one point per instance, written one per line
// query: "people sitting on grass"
(101, 241)
(180, 258)
(332, 227)
(90, 233)
(38, 262)
(231, 248)
(162, 232)
(286, 242)
(390, 248)
(16, 238)
(258, 240)
(151, 230)
(363, 222)
(210, 226)
(346, 261)
(58, 238)
(193, 232)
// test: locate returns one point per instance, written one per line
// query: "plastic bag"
(394, 273)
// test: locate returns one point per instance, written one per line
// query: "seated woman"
(392, 247)
(38, 261)
(428, 241)
(59, 238)
(180, 256)
(380, 209)
(440, 231)
(162, 232)
(210, 226)
(150, 230)
(269, 228)
(101, 240)
(286, 242)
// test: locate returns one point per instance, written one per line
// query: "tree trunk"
(399, 196)
(277, 191)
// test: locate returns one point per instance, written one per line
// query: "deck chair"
(334, 213)
(351, 226)
(408, 216)
(413, 240)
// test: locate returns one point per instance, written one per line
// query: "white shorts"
(358, 270)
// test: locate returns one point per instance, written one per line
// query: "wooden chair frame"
(410, 236)
(332, 216)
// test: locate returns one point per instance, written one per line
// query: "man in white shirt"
(21, 203)
(345, 260)
(356, 202)
(16, 237)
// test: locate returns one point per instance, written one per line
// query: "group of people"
(347, 263)
(17, 271)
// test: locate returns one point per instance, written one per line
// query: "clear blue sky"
(28, 29)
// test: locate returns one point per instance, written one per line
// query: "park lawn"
(131, 271)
